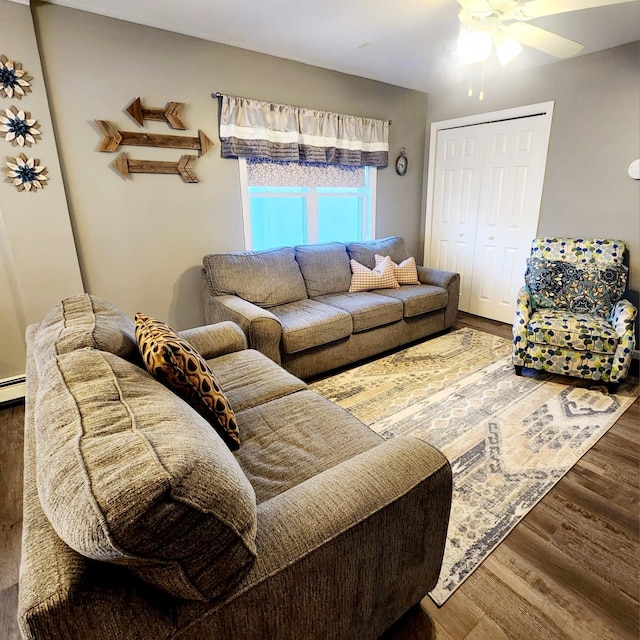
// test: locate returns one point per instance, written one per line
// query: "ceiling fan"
(504, 25)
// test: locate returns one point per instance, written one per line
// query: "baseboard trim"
(12, 389)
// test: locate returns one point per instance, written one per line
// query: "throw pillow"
(381, 277)
(582, 289)
(406, 272)
(175, 363)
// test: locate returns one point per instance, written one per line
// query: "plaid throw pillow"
(175, 363)
(381, 277)
(406, 272)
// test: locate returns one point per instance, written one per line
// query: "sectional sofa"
(141, 523)
(294, 303)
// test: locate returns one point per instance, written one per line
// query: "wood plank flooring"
(568, 571)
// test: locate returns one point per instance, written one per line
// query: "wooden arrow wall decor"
(171, 113)
(112, 139)
(183, 168)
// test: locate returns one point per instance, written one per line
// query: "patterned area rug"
(509, 439)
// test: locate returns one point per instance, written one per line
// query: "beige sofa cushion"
(129, 473)
(366, 308)
(418, 299)
(265, 278)
(307, 324)
(82, 321)
(325, 268)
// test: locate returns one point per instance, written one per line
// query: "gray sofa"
(294, 306)
(139, 522)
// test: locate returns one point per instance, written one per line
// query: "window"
(289, 203)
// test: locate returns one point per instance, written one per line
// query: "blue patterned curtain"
(255, 129)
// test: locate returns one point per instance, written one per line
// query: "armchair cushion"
(586, 288)
(580, 332)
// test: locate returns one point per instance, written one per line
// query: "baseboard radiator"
(12, 389)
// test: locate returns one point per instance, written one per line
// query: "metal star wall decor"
(14, 80)
(18, 128)
(26, 174)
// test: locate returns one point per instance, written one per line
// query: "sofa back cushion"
(265, 278)
(84, 321)
(364, 252)
(325, 268)
(129, 473)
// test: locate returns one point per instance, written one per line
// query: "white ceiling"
(408, 43)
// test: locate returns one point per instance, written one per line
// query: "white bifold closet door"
(485, 193)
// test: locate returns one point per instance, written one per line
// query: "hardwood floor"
(568, 571)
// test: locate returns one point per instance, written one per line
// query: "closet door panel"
(456, 198)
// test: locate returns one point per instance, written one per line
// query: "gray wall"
(141, 242)
(38, 264)
(595, 134)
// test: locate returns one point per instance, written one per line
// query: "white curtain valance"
(256, 129)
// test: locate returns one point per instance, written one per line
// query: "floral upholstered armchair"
(571, 318)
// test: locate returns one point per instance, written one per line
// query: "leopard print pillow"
(175, 363)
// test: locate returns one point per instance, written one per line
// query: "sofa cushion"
(180, 367)
(364, 252)
(325, 268)
(295, 438)
(265, 278)
(83, 321)
(590, 288)
(248, 378)
(418, 299)
(129, 473)
(307, 324)
(576, 331)
(380, 277)
(367, 309)
(406, 272)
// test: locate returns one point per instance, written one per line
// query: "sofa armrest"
(262, 328)
(363, 540)
(623, 318)
(447, 280)
(213, 340)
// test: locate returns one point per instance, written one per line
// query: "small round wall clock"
(402, 164)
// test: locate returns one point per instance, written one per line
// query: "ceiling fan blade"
(544, 40)
(539, 8)
(476, 6)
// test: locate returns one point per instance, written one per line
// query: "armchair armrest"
(362, 537)
(623, 317)
(447, 280)
(520, 324)
(214, 340)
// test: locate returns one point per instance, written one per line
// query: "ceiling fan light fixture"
(474, 46)
(507, 48)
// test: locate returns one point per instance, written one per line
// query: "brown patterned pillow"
(175, 363)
